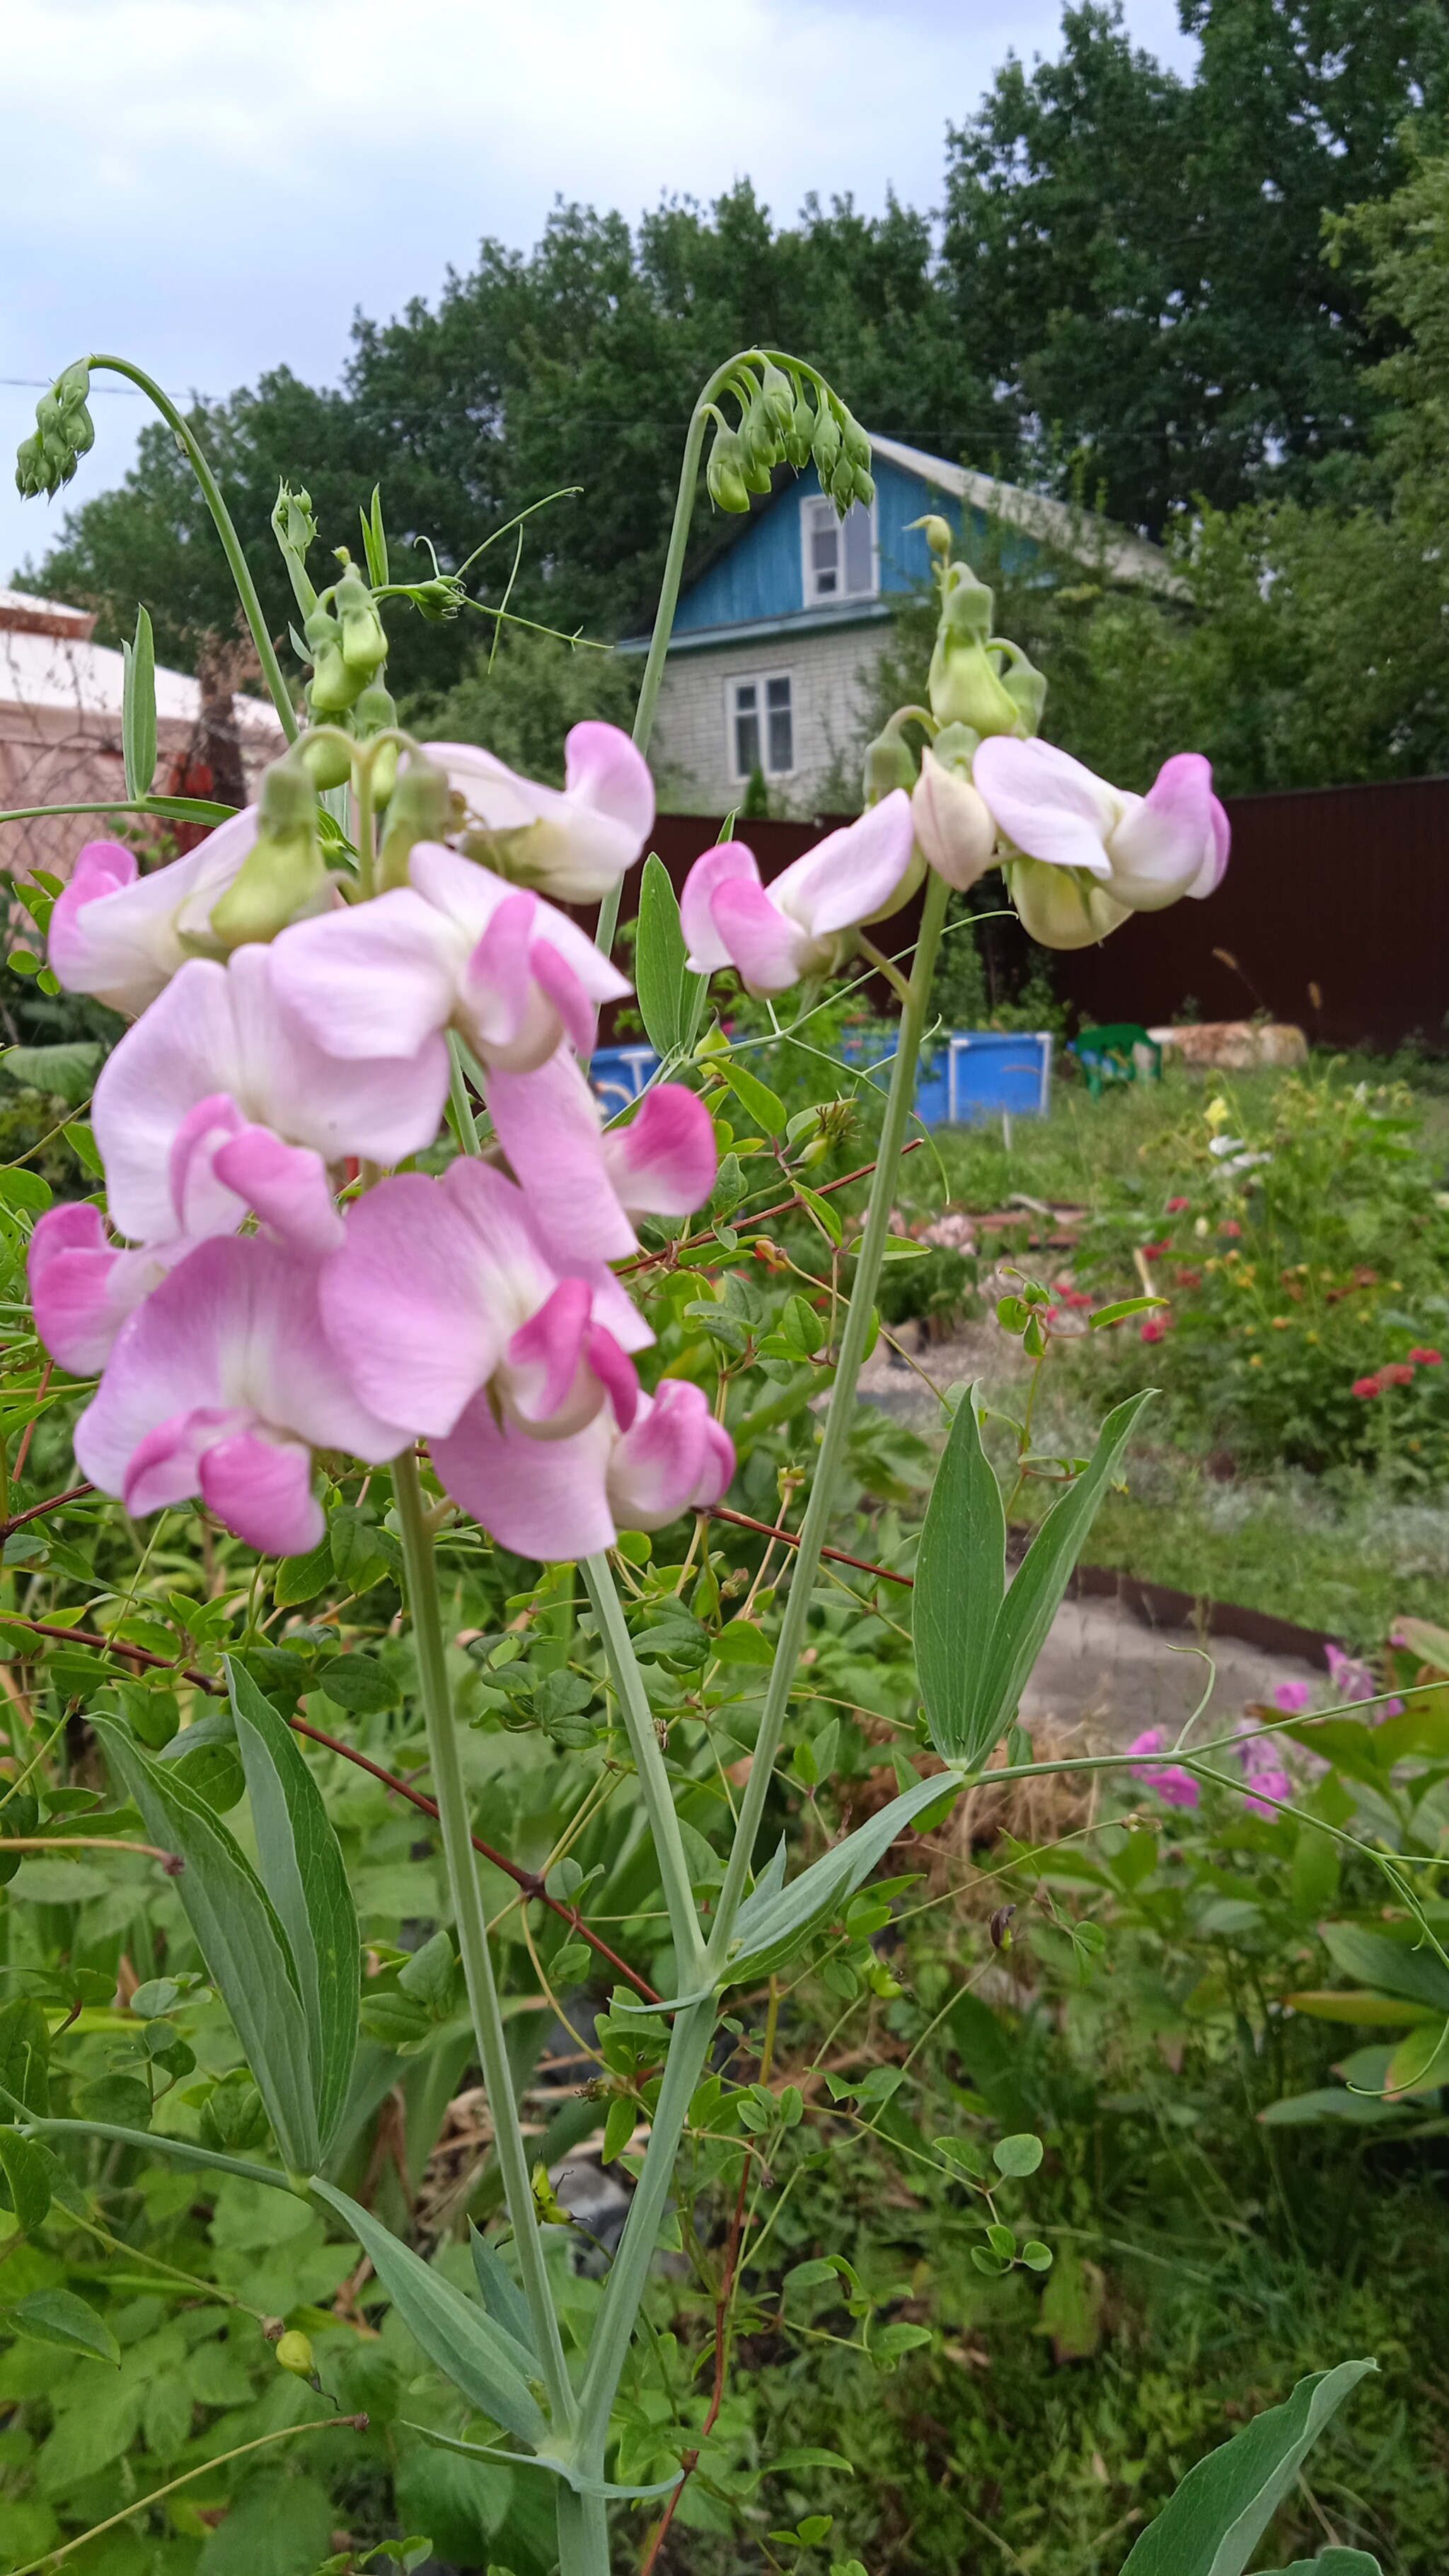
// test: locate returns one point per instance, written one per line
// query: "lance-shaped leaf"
(1420, 1976)
(659, 970)
(1035, 1596)
(774, 1921)
(138, 709)
(1336, 2562)
(26, 2168)
(59, 2317)
(240, 1937)
(960, 1582)
(304, 1875)
(500, 2293)
(1213, 2524)
(479, 2356)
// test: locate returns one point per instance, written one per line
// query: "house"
(776, 644)
(60, 731)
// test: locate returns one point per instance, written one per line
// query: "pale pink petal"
(406, 1302)
(165, 1467)
(1215, 859)
(1047, 803)
(575, 1012)
(118, 935)
(1166, 838)
(378, 980)
(548, 1126)
(70, 1264)
(383, 1105)
(665, 1160)
(201, 1201)
(1059, 908)
(614, 1307)
(953, 823)
(851, 873)
(603, 769)
(675, 1456)
(286, 1185)
(176, 1060)
(546, 1354)
(542, 1498)
(262, 1489)
(495, 981)
(728, 863)
(771, 952)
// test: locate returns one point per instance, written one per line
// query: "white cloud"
(214, 186)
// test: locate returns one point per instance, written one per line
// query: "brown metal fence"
(1338, 892)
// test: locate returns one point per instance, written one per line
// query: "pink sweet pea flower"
(83, 1286)
(222, 1384)
(459, 946)
(1292, 1697)
(576, 844)
(218, 1100)
(1118, 853)
(795, 926)
(557, 1499)
(444, 1289)
(1176, 1786)
(583, 1183)
(121, 936)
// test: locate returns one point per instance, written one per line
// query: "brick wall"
(830, 675)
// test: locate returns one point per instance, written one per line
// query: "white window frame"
(760, 681)
(810, 502)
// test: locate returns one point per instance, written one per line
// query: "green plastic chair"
(1112, 1055)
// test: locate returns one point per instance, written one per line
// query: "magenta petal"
(602, 769)
(770, 951)
(165, 1467)
(556, 979)
(669, 1460)
(70, 1266)
(546, 1352)
(542, 1498)
(727, 864)
(202, 1201)
(286, 1185)
(615, 1372)
(665, 1160)
(496, 978)
(262, 1489)
(548, 1126)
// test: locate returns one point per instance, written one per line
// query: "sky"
(212, 187)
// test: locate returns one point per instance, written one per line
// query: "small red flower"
(1230, 1225)
(1427, 1359)
(1189, 1278)
(1155, 1251)
(1396, 1373)
(1178, 1207)
(1367, 1386)
(1155, 1329)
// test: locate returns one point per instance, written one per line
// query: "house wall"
(830, 674)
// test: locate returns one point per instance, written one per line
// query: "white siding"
(691, 749)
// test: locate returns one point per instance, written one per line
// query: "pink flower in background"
(218, 1100)
(791, 928)
(1396, 1373)
(1140, 852)
(1427, 1359)
(577, 843)
(444, 1288)
(1154, 1328)
(121, 936)
(1292, 1697)
(514, 976)
(83, 1286)
(1351, 1679)
(1367, 1388)
(1176, 1786)
(584, 1181)
(1262, 1760)
(1178, 1207)
(556, 1499)
(222, 1384)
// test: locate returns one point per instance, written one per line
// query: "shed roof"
(47, 660)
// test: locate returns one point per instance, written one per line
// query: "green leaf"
(25, 2056)
(1331, 2102)
(138, 709)
(1336, 2562)
(825, 1213)
(752, 1094)
(499, 2291)
(1214, 2522)
(619, 2126)
(660, 974)
(27, 2171)
(67, 1072)
(361, 1683)
(240, 1936)
(471, 2349)
(58, 2316)
(1418, 1975)
(960, 1581)
(26, 1190)
(303, 1873)
(774, 1921)
(1035, 1596)
(741, 1642)
(301, 1578)
(1118, 1314)
(1015, 2157)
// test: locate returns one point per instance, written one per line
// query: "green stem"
(472, 1926)
(241, 571)
(838, 1421)
(458, 1092)
(30, 2123)
(583, 2534)
(650, 1765)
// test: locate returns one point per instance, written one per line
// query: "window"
(762, 725)
(839, 553)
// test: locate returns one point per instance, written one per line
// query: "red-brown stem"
(526, 1879)
(690, 2459)
(46, 1375)
(767, 1529)
(647, 1260)
(19, 1519)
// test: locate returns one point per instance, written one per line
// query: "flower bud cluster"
(256, 1311)
(787, 418)
(64, 432)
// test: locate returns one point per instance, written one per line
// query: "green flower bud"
(283, 875)
(864, 486)
(801, 431)
(855, 442)
(294, 2352)
(364, 645)
(842, 483)
(825, 445)
(964, 685)
(725, 473)
(374, 713)
(64, 432)
(333, 688)
(1024, 684)
(889, 763)
(327, 760)
(421, 810)
(938, 536)
(760, 436)
(778, 396)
